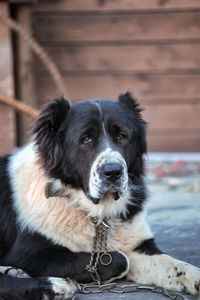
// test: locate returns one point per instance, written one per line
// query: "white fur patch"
(63, 289)
(107, 208)
(95, 181)
(164, 271)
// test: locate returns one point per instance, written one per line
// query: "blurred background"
(103, 48)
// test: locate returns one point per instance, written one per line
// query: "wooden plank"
(7, 115)
(174, 143)
(145, 87)
(173, 118)
(21, 1)
(113, 5)
(125, 58)
(118, 27)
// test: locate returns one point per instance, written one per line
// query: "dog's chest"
(123, 236)
(69, 227)
(61, 221)
(77, 233)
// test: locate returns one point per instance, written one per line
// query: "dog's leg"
(149, 266)
(13, 272)
(61, 262)
(73, 265)
(49, 288)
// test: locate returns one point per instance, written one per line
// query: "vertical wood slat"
(25, 74)
(7, 115)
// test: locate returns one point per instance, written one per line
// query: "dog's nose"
(112, 172)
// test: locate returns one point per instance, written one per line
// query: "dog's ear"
(130, 102)
(46, 130)
(51, 117)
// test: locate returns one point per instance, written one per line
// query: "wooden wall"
(149, 47)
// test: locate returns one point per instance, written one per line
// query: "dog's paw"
(188, 277)
(118, 268)
(191, 284)
(46, 288)
(50, 288)
(13, 272)
(64, 289)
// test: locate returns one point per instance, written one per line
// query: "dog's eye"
(121, 136)
(86, 140)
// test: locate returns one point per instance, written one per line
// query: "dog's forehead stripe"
(97, 103)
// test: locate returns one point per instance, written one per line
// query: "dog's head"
(95, 146)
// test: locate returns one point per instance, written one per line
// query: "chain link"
(127, 288)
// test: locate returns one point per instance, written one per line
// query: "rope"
(20, 106)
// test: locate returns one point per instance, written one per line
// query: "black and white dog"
(83, 161)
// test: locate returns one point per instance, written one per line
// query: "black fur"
(8, 228)
(44, 259)
(25, 288)
(148, 247)
(49, 137)
(126, 100)
(139, 196)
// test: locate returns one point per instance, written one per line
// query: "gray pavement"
(174, 216)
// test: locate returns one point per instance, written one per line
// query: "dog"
(83, 161)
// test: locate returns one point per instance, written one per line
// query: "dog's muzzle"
(112, 182)
(108, 177)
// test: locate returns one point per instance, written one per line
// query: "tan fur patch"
(55, 217)
(126, 236)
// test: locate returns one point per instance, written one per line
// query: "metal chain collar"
(99, 249)
(99, 254)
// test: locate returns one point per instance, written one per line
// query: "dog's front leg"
(148, 265)
(164, 271)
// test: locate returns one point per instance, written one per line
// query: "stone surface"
(174, 218)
